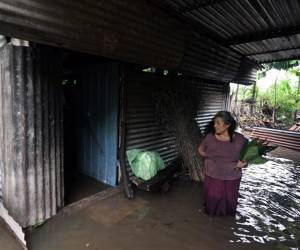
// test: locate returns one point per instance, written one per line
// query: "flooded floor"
(7, 239)
(268, 218)
(269, 204)
(81, 186)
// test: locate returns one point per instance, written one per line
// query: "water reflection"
(269, 206)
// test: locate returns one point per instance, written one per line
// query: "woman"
(222, 168)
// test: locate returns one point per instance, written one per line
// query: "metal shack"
(74, 93)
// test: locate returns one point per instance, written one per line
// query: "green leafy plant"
(254, 150)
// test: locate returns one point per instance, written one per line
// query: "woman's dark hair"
(227, 118)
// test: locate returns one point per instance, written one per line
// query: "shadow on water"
(269, 205)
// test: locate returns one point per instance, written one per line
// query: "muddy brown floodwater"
(7, 239)
(268, 218)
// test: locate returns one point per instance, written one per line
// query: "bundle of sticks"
(177, 108)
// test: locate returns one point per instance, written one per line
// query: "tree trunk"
(236, 94)
(236, 99)
(275, 101)
(274, 116)
(253, 99)
(298, 92)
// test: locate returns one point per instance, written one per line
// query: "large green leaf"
(254, 150)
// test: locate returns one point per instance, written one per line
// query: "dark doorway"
(90, 125)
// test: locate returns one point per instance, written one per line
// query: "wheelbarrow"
(160, 182)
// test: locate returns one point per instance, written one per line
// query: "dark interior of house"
(77, 184)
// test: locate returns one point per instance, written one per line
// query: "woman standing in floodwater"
(222, 168)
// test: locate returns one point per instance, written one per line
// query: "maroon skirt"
(220, 196)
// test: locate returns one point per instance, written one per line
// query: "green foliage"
(245, 92)
(285, 65)
(254, 150)
(283, 98)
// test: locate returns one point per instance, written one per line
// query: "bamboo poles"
(177, 107)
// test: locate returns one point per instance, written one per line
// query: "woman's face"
(220, 126)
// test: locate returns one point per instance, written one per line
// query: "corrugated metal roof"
(234, 18)
(277, 56)
(181, 35)
(115, 29)
(258, 29)
(269, 45)
(127, 30)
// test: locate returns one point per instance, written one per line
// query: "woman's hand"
(241, 164)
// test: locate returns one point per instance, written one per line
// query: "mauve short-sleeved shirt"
(222, 156)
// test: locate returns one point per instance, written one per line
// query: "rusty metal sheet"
(285, 138)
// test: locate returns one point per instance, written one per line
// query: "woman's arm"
(202, 147)
(201, 151)
(242, 164)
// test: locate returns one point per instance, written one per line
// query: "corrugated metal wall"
(142, 127)
(1, 170)
(120, 29)
(246, 73)
(206, 59)
(215, 98)
(98, 121)
(31, 145)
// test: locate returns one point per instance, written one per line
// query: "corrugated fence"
(143, 129)
(31, 145)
